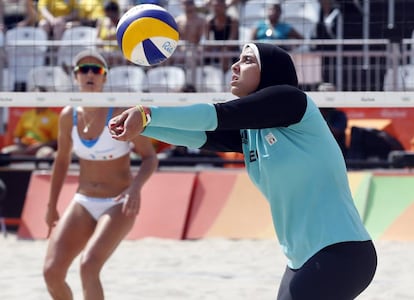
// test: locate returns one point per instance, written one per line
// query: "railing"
(347, 67)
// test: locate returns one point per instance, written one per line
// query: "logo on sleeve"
(270, 138)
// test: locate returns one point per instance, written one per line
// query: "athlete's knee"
(53, 273)
(90, 266)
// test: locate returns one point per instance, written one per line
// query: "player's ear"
(105, 77)
(75, 76)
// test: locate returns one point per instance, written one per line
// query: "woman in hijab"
(291, 156)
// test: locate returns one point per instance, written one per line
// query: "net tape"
(126, 99)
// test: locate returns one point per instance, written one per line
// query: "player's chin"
(236, 91)
(91, 89)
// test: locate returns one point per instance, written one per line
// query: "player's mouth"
(234, 78)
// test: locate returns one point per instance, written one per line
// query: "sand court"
(210, 269)
(213, 260)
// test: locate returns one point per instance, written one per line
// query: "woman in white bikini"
(107, 200)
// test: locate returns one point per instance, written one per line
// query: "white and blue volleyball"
(147, 34)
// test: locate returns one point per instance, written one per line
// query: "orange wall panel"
(165, 202)
(227, 204)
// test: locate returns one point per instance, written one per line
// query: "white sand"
(179, 270)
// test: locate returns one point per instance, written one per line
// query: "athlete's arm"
(223, 141)
(217, 127)
(274, 106)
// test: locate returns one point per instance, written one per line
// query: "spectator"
(326, 7)
(233, 7)
(221, 27)
(16, 13)
(191, 26)
(106, 31)
(90, 11)
(272, 28)
(56, 16)
(337, 119)
(35, 133)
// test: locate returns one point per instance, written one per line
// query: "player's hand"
(127, 125)
(52, 217)
(131, 203)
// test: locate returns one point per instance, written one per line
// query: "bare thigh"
(70, 236)
(111, 229)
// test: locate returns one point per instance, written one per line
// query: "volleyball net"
(389, 112)
(125, 99)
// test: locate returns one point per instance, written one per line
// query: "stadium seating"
(8, 81)
(404, 79)
(308, 9)
(53, 78)
(126, 79)
(252, 12)
(412, 49)
(166, 79)
(303, 15)
(25, 50)
(73, 41)
(245, 33)
(174, 7)
(209, 79)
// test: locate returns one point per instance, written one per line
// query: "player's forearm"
(147, 167)
(197, 117)
(58, 176)
(188, 138)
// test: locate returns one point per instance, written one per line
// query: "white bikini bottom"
(96, 206)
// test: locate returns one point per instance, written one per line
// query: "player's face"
(219, 7)
(246, 74)
(90, 75)
(188, 6)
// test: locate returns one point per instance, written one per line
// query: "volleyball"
(147, 34)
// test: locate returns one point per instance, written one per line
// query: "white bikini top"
(104, 147)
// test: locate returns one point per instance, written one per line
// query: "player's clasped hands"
(127, 125)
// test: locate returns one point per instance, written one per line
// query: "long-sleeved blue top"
(290, 155)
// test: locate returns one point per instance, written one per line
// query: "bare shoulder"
(67, 110)
(200, 20)
(66, 117)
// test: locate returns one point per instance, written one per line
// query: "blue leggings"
(340, 271)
